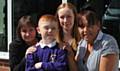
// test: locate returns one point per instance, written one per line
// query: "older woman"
(97, 51)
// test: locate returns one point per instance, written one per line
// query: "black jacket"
(17, 50)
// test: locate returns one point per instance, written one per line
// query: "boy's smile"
(48, 30)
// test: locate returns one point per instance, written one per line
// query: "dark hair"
(89, 7)
(91, 16)
(25, 20)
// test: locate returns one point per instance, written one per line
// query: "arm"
(16, 63)
(109, 56)
(60, 64)
(31, 49)
(30, 62)
(107, 63)
(71, 61)
(71, 58)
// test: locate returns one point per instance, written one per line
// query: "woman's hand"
(30, 50)
(71, 57)
(68, 48)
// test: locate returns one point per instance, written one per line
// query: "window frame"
(5, 55)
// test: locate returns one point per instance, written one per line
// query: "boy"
(48, 55)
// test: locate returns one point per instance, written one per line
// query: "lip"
(49, 34)
(85, 36)
(66, 25)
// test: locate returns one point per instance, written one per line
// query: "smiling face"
(48, 29)
(28, 33)
(66, 18)
(26, 29)
(88, 29)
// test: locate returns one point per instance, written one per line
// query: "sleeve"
(30, 63)
(59, 65)
(110, 47)
(16, 64)
(31, 59)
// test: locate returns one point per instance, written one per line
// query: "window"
(111, 20)
(5, 28)
(12, 10)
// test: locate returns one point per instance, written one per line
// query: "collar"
(83, 43)
(99, 36)
(50, 45)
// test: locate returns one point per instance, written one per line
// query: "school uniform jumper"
(52, 58)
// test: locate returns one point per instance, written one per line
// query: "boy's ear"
(38, 30)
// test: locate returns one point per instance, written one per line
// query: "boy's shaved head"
(47, 17)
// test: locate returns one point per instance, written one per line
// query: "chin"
(85, 38)
(50, 38)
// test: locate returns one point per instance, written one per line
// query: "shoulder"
(16, 44)
(17, 41)
(108, 39)
(38, 48)
(109, 45)
(60, 47)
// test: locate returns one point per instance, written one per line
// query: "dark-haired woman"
(97, 51)
(26, 37)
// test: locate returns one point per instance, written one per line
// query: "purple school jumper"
(53, 59)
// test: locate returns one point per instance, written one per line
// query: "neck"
(46, 41)
(90, 47)
(90, 42)
(32, 42)
(67, 32)
(68, 38)
(67, 35)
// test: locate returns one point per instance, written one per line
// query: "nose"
(85, 29)
(50, 30)
(65, 19)
(27, 33)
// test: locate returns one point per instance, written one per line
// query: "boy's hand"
(38, 65)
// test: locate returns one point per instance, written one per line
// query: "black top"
(17, 50)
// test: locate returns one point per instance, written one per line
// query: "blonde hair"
(75, 33)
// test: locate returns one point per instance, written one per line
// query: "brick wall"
(4, 65)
